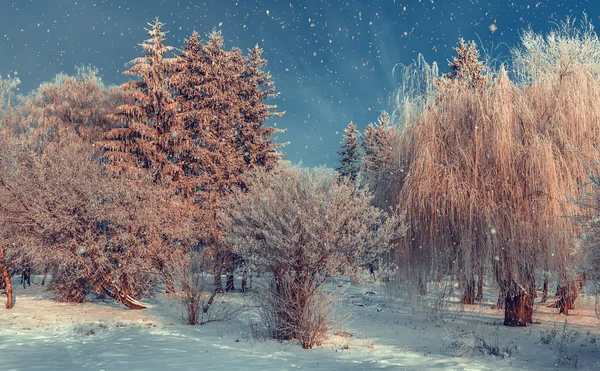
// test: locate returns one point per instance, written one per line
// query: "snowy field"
(381, 333)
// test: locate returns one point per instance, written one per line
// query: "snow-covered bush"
(303, 227)
(67, 211)
(69, 283)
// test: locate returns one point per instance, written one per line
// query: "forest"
(480, 181)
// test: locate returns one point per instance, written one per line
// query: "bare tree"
(304, 227)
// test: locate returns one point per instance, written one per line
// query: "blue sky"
(331, 61)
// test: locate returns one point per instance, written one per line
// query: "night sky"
(331, 61)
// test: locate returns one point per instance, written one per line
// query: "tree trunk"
(8, 286)
(210, 301)
(6, 277)
(515, 303)
(500, 300)
(120, 296)
(545, 290)
(422, 285)
(104, 285)
(568, 294)
(529, 302)
(479, 297)
(44, 274)
(218, 284)
(468, 296)
(244, 287)
(170, 289)
(229, 286)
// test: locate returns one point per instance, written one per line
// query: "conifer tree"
(150, 131)
(350, 153)
(221, 98)
(377, 162)
(466, 68)
(148, 146)
(196, 122)
(255, 140)
(376, 143)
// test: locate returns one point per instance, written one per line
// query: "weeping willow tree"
(491, 171)
(416, 88)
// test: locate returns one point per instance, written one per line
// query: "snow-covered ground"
(381, 333)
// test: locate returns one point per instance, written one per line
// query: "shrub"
(69, 285)
(304, 227)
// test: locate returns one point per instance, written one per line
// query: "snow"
(382, 333)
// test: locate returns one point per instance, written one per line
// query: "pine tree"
(377, 143)
(220, 95)
(377, 162)
(466, 67)
(350, 154)
(205, 83)
(254, 139)
(150, 142)
(150, 129)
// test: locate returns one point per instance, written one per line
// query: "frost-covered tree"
(378, 165)
(9, 253)
(466, 68)
(305, 226)
(80, 103)
(350, 156)
(8, 86)
(61, 207)
(153, 142)
(221, 95)
(142, 146)
(493, 172)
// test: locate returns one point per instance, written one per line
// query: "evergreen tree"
(466, 68)
(377, 165)
(196, 122)
(350, 153)
(220, 95)
(149, 144)
(254, 139)
(150, 130)
(377, 143)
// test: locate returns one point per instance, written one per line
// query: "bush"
(562, 343)
(464, 343)
(304, 227)
(69, 285)
(67, 210)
